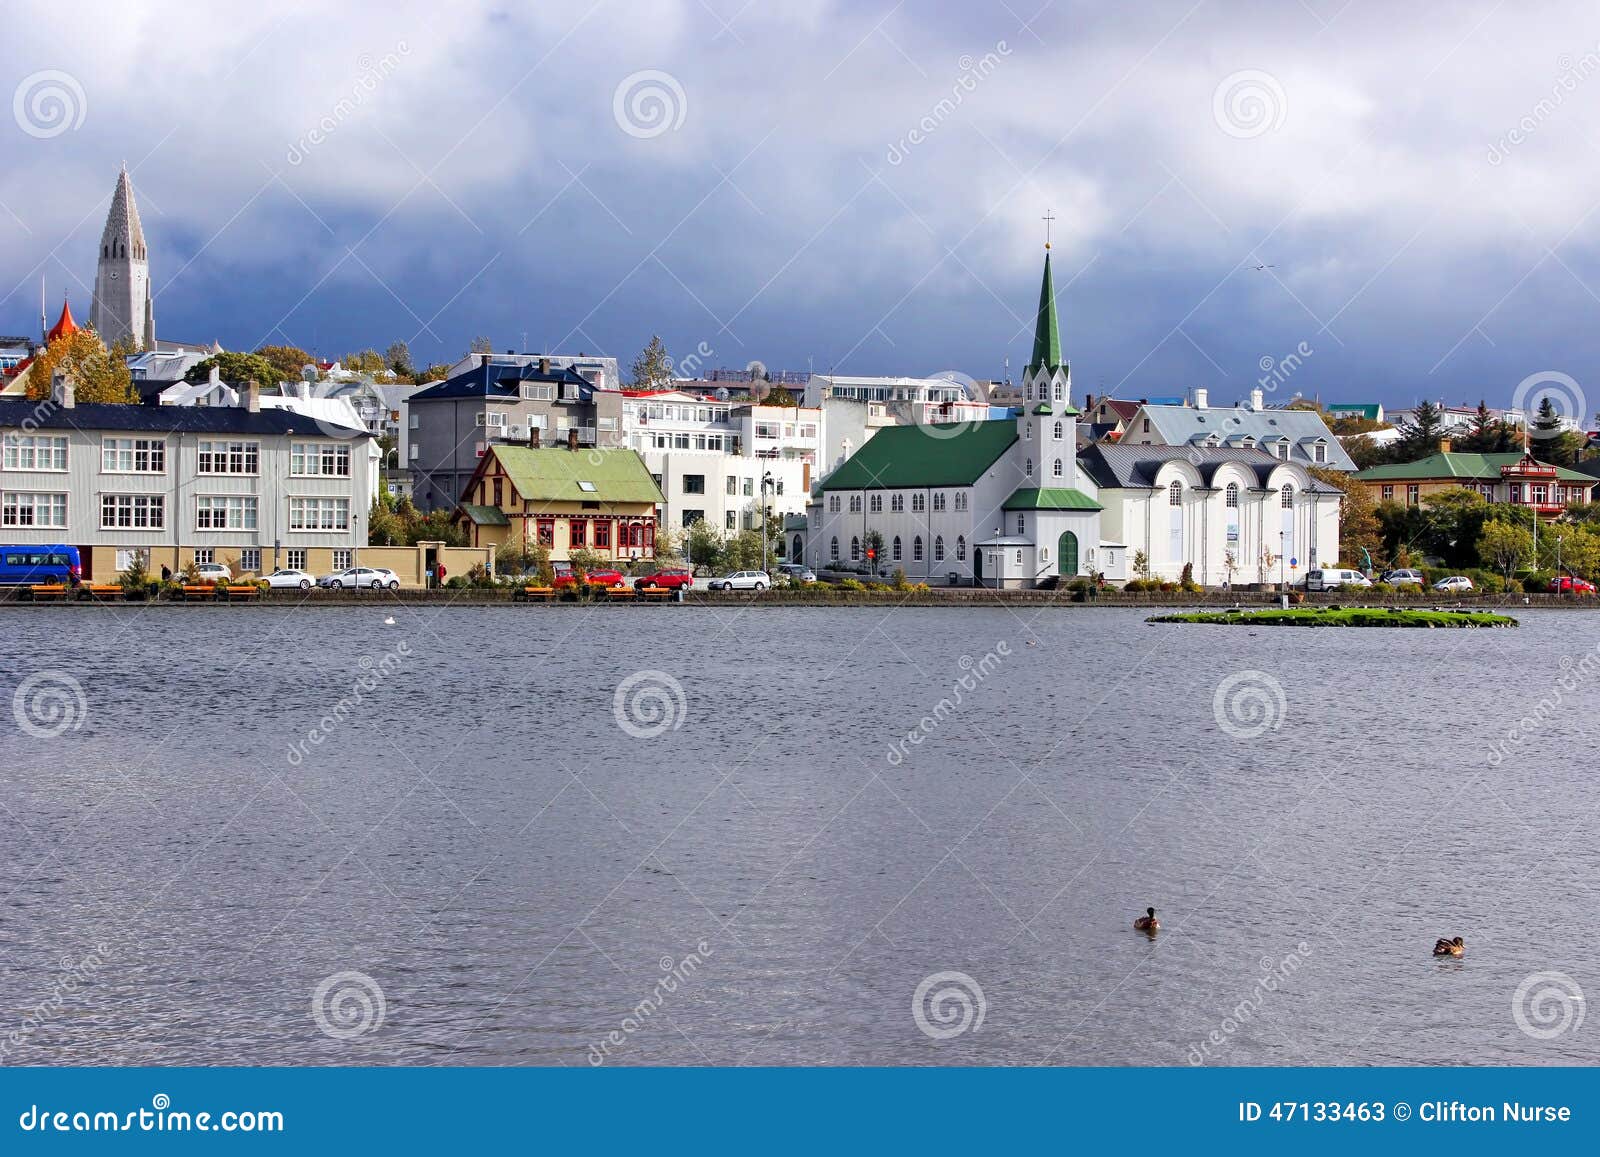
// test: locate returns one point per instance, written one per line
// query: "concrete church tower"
(122, 305)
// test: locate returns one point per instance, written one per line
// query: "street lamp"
(1283, 587)
(1560, 586)
(766, 481)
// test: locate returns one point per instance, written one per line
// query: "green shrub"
(135, 580)
(1382, 589)
(1078, 585)
(899, 580)
(1167, 587)
(851, 585)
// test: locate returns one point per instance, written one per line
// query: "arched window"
(961, 548)
(1028, 468)
(1288, 496)
(938, 549)
(1175, 494)
(855, 549)
(1060, 431)
(796, 553)
(896, 548)
(1058, 397)
(916, 549)
(1029, 429)
(1055, 468)
(1233, 494)
(1022, 524)
(833, 549)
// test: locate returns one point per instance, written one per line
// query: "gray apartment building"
(451, 424)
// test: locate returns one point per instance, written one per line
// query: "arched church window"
(1175, 494)
(1233, 494)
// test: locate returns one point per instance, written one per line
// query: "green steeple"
(1046, 333)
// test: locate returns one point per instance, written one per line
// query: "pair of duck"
(1149, 923)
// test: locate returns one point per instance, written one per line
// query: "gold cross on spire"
(1047, 218)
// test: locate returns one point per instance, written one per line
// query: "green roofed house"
(1516, 477)
(604, 500)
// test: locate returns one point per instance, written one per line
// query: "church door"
(977, 566)
(1067, 553)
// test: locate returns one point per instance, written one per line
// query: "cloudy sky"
(1406, 194)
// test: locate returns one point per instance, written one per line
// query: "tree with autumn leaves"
(98, 374)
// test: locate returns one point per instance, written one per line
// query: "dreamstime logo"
(371, 73)
(49, 703)
(1572, 73)
(1276, 371)
(972, 71)
(948, 1004)
(1274, 974)
(74, 974)
(1249, 704)
(649, 103)
(976, 671)
(48, 103)
(951, 419)
(676, 973)
(649, 703)
(1249, 103)
(373, 674)
(1548, 1004)
(1564, 394)
(1574, 673)
(347, 1005)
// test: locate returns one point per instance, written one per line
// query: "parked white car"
(376, 577)
(1334, 579)
(741, 580)
(290, 578)
(210, 572)
(1456, 582)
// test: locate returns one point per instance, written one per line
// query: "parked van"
(39, 564)
(1332, 580)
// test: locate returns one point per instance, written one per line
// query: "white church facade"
(1013, 504)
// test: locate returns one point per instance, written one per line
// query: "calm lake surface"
(515, 872)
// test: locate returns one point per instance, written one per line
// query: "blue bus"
(39, 564)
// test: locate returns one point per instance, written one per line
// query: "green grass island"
(1341, 617)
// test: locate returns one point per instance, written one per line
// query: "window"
(1287, 496)
(961, 499)
(894, 550)
(855, 504)
(577, 532)
(919, 503)
(343, 559)
(855, 549)
(319, 514)
(694, 483)
(33, 510)
(1055, 468)
(938, 549)
(732, 520)
(749, 487)
(545, 529)
(938, 501)
(1175, 494)
(602, 536)
(732, 485)
(132, 512)
(35, 452)
(1029, 427)
(1388, 494)
(250, 559)
(133, 456)
(961, 548)
(1059, 431)
(875, 504)
(491, 421)
(229, 457)
(1233, 494)
(1282, 449)
(226, 512)
(1019, 558)
(1145, 428)
(1514, 492)
(833, 504)
(916, 549)
(533, 393)
(205, 554)
(897, 503)
(1022, 524)
(296, 559)
(320, 459)
(1319, 452)
(1027, 468)
(1538, 494)
(833, 550)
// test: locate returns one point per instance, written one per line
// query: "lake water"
(271, 836)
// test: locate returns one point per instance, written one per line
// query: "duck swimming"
(1148, 922)
(1449, 947)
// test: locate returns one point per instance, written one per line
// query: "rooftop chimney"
(1088, 402)
(252, 396)
(544, 365)
(483, 359)
(533, 437)
(63, 391)
(1258, 400)
(1200, 398)
(1444, 445)
(572, 438)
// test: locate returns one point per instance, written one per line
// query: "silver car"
(742, 580)
(291, 578)
(376, 577)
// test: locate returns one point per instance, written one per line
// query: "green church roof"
(1454, 464)
(1046, 332)
(556, 474)
(1059, 498)
(908, 457)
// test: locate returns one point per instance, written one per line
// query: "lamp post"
(1561, 588)
(1283, 586)
(766, 481)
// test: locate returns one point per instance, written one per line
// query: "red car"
(1567, 585)
(595, 578)
(671, 578)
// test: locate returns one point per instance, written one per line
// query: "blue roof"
(20, 412)
(502, 380)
